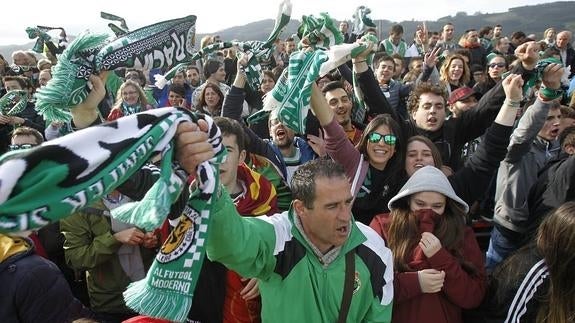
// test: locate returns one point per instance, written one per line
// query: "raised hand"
(192, 146)
(513, 87)
(528, 53)
(430, 59)
(552, 76)
(317, 144)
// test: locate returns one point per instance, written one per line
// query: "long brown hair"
(444, 70)
(556, 242)
(202, 101)
(403, 234)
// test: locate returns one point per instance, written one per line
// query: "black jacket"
(34, 290)
(451, 138)
(555, 185)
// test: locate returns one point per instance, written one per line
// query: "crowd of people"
(359, 219)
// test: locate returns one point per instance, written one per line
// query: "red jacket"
(460, 289)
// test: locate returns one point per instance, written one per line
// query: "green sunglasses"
(375, 137)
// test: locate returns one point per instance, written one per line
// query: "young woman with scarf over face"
(438, 263)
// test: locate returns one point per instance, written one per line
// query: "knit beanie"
(427, 179)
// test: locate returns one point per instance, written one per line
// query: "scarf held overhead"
(160, 45)
(167, 290)
(74, 170)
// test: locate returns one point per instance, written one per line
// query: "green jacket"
(294, 285)
(90, 246)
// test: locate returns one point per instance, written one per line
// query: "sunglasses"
(21, 146)
(500, 65)
(375, 137)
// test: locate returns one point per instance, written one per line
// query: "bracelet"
(512, 104)
(550, 94)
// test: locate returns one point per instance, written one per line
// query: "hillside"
(530, 19)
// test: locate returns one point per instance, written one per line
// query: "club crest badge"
(356, 283)
(181, 238)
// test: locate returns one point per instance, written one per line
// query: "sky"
(215, 15)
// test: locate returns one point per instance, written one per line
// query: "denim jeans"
(501, 245)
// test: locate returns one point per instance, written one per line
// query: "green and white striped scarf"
(320, 31)
(256, 52)
(359, 111)
(159, 45)
(13, 102)
(118, 31)
(361, 20)
(42, 38)
(64, 175)
(291, 95)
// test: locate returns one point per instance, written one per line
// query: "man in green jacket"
(300, 255)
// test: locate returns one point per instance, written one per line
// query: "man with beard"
(286, 150)
(341, 104)
(292, 149)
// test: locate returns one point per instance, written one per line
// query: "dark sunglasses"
(500, 65)
(375, 137)
(22, 146)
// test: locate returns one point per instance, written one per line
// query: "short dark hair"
(518, 35)
(178, 89)
(305, 177)
(211, 66)
(396, 29)
(230, 127)
(485, 30)
(22, 80)
(332, 86)
(382, 56)
(193, 67)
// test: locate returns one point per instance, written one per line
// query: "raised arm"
(374, 98)
(86, 113)
(473, 123)
(481, 166)
(533, 119)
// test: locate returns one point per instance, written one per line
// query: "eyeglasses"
(375, 137)
(21, 146)
(500, 65)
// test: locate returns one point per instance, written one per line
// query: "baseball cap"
(461, 93)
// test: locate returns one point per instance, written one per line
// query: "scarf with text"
(256, 51)
(73, 171)
(156, 46)
(167, 291)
